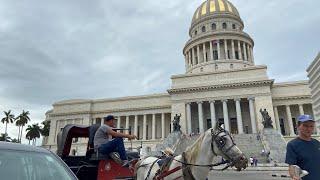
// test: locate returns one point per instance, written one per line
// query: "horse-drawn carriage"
(194, 163)
(93, 165)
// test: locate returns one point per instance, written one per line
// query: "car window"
(17, 165)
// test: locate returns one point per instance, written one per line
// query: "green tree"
(33, 132)
(9, 118)
(5, 137)
(23, 119)
(46, 128)
(14, 140)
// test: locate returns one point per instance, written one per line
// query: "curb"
(280, 175)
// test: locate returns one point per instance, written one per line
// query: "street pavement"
(247, 175)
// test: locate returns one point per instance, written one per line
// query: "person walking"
(251, 161)
(304, 151)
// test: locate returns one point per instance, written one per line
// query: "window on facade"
(139, 132)
(224, 26)
(213, 26)
(195, 32)
(233, 26)
(203, 29)
(229, 57)
(98, 121)
(237, 54)
(283, 131)
(215, 54)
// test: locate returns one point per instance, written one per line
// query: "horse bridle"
(221, 142)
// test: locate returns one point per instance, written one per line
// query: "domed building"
(221, 85)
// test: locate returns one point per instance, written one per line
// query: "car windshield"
(17, 165)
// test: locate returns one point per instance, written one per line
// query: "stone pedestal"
(274, 143)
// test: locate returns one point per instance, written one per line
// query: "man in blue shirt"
(304, 151)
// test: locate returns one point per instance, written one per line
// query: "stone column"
(189, 118)
(201, 128)
(239, 116)
(198, 53)
(136, 125)
(127, 124)
(244, 51)
(193, 57)
(226, 115)
(252, 115)
(218, 49)
(211, 50)
(289, 118)
(301, 111)
(163, 130)
(190, 58)
(226, 49)
(252, 57)
(249, 55)
(239, 50)
(233, 51)
(153, 126)
(204, 52)
(119, 122)
(213, 114)
(276, 116)
(144, 137)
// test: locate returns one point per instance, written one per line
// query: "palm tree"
(19, 124)
(9, 118)
(23, 119)
(33, 132)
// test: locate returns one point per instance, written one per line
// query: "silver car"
(25, 162)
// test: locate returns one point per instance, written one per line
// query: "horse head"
(222, 144)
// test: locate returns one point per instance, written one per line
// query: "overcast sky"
(57, 50)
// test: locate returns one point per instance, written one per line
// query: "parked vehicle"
(92, 165)
(18, 161)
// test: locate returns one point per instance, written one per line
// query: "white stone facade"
(221, 84)
(314, 84)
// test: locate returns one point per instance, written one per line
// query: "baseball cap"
(108, 118)
(305, 117)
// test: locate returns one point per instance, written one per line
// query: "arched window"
(203, 29)
(224, 26)
(233, 26)
(213, 26)
(195, 32)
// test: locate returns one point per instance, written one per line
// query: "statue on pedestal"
(267, 122)
(176, 123)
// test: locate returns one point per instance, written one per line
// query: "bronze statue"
(267, 122)
(176, 123)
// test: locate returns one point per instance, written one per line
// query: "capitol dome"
(214, 7)
(217, 40)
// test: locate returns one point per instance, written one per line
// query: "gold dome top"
(215, 7)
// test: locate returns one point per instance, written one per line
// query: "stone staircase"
(250, 146)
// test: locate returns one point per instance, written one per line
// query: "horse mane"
(192, 151)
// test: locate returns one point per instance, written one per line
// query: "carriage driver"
(104, 143)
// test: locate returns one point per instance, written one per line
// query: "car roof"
(21, 147)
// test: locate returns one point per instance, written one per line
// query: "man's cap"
(108, 118)
(305, 117)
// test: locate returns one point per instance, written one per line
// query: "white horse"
(197, 159)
